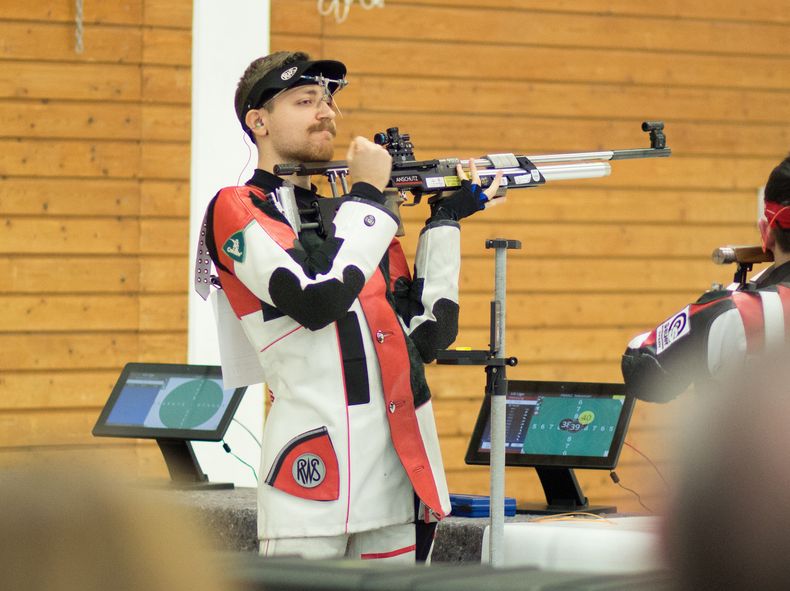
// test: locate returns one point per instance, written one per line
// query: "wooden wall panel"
(565, 202)
(759, 11)
(94, 201)
(572, 64)
(162, 84)
(99, 312)
(604, 259)
(48, 81)
(55, 197)
(551, 29)
(82, 120)
(128, 12)
(20, 390)
(514, 132)
(613, 101)
(52, 42)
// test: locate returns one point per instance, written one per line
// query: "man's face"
(301, 126)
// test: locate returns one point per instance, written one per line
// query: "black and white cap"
(331, 73)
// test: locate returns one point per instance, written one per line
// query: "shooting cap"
(329, 74)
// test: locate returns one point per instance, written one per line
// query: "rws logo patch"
(308, 470)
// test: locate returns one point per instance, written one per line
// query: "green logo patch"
(234, 247)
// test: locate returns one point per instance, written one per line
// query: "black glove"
(461, 204)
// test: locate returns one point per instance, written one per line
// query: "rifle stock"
(748, 255)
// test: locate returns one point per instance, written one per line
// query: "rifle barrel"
(582, 170)
(572, 157)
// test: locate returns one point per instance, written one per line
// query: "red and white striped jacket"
(709, 341)
(341, 331)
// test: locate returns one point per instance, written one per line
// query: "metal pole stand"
(495, 364)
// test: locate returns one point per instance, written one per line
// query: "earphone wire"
(246, 140)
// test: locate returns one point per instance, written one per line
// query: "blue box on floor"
(478, 506)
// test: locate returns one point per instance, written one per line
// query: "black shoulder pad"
(713, 295)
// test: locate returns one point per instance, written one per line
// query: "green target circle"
(190, 404)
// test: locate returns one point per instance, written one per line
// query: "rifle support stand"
(495, 364)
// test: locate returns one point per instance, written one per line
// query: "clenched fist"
(369, 163)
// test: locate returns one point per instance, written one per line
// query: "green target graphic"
(573, 427)
(190, 404)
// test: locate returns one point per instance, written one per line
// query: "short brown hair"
(257, 70)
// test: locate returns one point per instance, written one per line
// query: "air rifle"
(434, 177)
(744, 256)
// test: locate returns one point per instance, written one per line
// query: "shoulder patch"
(234, 247)
(672, 330)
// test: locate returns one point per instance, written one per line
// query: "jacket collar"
(780, 274)
(268, 182)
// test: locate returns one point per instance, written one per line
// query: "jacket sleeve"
(428, 302)
(692, 345)
(266, 256)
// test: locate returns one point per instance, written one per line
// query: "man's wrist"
(365, 190)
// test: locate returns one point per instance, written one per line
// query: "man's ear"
(766, 234)
(255, 122)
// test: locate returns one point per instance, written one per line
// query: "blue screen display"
(170, 402)
(133, 405)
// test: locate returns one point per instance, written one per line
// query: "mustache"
(330, 127)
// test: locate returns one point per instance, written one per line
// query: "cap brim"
(326, 68)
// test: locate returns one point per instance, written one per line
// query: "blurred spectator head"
(75, 530)
(728, 528)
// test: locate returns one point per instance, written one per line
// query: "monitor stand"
(563, 495)
(185, 472)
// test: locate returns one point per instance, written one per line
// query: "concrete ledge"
(230, 518)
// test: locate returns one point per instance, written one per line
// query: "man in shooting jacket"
(336, 325)
(709, 341)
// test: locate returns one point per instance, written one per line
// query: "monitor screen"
(169, 401)
(563, 424)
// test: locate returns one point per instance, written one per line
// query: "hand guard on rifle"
(468, 199)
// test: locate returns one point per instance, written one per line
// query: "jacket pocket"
(306, 467)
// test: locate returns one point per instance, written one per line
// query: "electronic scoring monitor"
(174, 404)
(556, 427)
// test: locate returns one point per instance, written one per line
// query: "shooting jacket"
(709, 341)
(340, 330)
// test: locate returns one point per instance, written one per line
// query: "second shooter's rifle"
(435, 177)
(745, 257)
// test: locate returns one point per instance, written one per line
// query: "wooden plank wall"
(94, 199)
(602, 260)
(94, 161)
